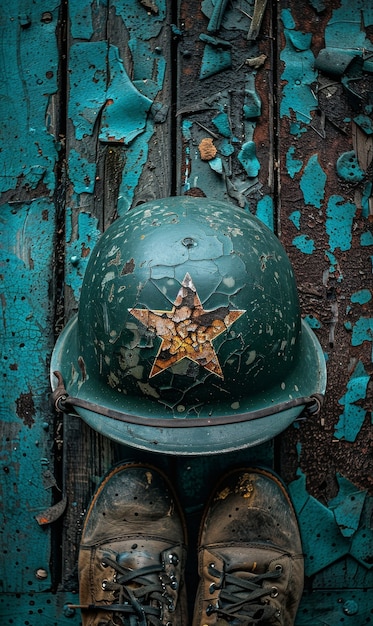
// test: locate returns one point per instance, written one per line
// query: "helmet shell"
(189, 309)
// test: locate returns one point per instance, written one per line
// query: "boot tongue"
(248, 562)
(136, 559)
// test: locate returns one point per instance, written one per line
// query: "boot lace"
(139, 595)
(244, 601)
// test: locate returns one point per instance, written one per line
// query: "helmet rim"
(189, 441)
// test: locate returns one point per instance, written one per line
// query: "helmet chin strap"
(65, 403)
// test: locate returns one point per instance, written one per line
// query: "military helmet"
(189, 338)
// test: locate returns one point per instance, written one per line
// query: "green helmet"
(188, 338)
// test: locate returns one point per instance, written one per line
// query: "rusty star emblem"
(187, 331)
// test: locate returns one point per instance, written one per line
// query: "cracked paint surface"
(26, 263)
(28, 155)
(31, 152)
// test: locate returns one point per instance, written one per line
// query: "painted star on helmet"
(187, 331)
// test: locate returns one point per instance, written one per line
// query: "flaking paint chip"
(207, 149)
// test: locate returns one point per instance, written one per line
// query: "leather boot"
(250, 554)
(132, 552)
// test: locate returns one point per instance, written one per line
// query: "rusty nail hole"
(41, 573)
(46, 17)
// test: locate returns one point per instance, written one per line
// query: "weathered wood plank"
(28, 157)
(326, 222)
(225, 102)
(118, 147)
(225, 148)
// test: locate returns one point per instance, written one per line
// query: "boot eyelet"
(173, 559)
(104, 584)
(171, 607)
(278, 568)
(173, 583)
(212, 588)
(274, 592)
(210, 609)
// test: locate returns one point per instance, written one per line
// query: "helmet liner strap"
(63, 402)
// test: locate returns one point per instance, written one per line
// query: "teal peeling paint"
(26, 271)
(265, 211)
(312, 321)
(348, 167)
(366, 239)
(321, 528)
(226, 148)
(122, 107)
(367, 192)
(149, 67)
(362, 331)
(287, 19)
(136, 158)
(295, 218)
(124, 116)
(298, 75)
(339, 220)
(80, 14)
(252, 107)
(29, 71)
(365, 123)
(139, 21)
(214, 60)
(300, 41)
(346, 25)
(186, 129)
(248, 159)
(334, 266)
(81, 173)
(221, 12)
(318, 530)
(347, 506)
(352, 418)
(216, 165)
(362, 296)
(221, 123)
(88, 75)
(293, 165)
(78, 250)
(313, 182)
(304, 244)
(297, 129)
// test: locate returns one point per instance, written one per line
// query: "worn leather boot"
(250, 554)
(132, 552)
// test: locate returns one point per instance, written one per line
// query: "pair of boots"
(133, 552)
